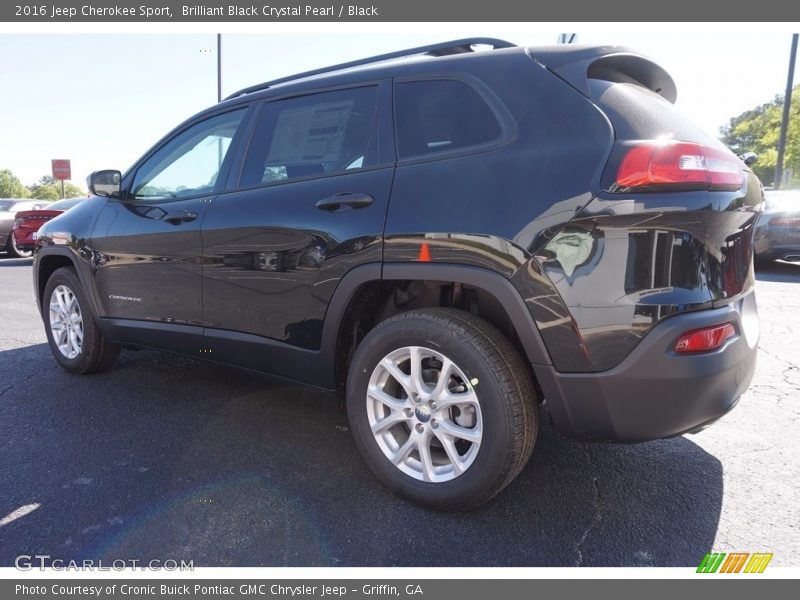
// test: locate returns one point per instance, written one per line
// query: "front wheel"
(72, 332)
(442, 407)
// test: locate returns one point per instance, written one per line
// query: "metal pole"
(787, 105)
(219, 67)
(219, 95)
(62, 189)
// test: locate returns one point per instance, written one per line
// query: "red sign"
(61, 169)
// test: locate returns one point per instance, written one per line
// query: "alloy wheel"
(66, 321)
(424, 414)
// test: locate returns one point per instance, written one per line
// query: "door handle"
(179, 216)
(345, 201)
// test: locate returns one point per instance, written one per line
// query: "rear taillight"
(703, 340)
(669, 165)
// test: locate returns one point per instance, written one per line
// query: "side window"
(441, 114)
(188, 164)
(312, 135)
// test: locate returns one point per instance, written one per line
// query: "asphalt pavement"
(168, 458)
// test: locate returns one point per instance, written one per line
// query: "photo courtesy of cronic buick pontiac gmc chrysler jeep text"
(450, 240)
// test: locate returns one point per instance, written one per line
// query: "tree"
(10, 186)
(758, 130)
(46, 192)
(48, 188)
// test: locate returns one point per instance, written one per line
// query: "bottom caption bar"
(353, 589)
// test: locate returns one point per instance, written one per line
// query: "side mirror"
(749, 158)
(105, 183)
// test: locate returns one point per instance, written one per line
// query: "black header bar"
(400, 10)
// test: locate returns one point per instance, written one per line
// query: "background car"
(9, 207)
(28, 222)
(777, 234)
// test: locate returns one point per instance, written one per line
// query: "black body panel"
(146, 268)
(273, 258)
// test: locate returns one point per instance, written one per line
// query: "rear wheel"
(13, 250)
(72, 332)
(442, 407)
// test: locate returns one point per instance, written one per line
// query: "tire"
(490, 400)
(93, 353)
(13, 251)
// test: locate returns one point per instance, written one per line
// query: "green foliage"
(48, 188)
(758, 131)
(11, 187)
(46, 192)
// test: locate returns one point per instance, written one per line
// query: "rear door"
(307, 204)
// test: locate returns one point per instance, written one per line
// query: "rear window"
(440, 115)
(640, 114)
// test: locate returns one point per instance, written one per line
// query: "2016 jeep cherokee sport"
(449, 239)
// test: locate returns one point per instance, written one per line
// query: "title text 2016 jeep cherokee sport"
(449, 239)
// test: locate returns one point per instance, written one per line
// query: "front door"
(148, 246)
(309, 205)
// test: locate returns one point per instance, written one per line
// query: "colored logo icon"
(734, 562)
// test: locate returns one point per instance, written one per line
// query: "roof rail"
(441, 49)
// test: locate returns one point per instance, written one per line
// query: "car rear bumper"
(655, 393)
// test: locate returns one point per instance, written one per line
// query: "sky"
(102, 100)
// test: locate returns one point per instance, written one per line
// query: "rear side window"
(313, 135)
(439, 115)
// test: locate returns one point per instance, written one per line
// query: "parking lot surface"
(167, 458)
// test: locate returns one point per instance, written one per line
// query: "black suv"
(450, 239)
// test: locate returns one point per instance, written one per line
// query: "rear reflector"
(703, 340)
(654, 166)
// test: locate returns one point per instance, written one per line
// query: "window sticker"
(310, 134)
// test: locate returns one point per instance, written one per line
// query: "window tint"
(441, 115)
(189, 164)
(313, 135)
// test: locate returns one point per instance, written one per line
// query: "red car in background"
(28, 222)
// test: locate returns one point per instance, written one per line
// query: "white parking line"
(20, 512)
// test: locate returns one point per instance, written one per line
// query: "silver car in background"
(778, 230)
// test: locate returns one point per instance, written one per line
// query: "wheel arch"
(48, 261)
(372, 284)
